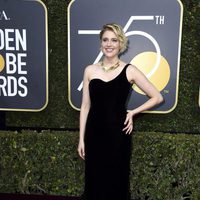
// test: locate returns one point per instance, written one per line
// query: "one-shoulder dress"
(107, 147)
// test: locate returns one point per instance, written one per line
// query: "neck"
(110, 65)
(110, 61)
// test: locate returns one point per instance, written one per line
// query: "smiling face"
(110, 45)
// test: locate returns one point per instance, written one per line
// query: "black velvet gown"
(107, 147)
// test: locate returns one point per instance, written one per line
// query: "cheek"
(118, 46)
(103, 44)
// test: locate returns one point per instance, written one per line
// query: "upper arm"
(137, 77)
(85, 94)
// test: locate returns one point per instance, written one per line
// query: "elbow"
(85, 106)
(159, 99)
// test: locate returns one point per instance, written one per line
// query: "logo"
(154, 32)
(3, 16)
(14, 81)
(23, 56)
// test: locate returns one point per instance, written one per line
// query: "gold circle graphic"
(2, 63)
(145, 62)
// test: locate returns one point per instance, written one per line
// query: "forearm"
(83, 117)
(147, 105)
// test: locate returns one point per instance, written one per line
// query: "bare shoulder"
(131, 68)
(134, 70)
(89, 70)
(133, 73)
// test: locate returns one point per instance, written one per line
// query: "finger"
(83, 154)
(126, 127)
(126, 120)
(129, 123)
(127, 131)
(129, 128)
(83, 157)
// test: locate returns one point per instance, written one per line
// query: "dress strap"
(126, 66)
(124, 71)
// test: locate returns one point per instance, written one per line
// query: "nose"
(109, 43)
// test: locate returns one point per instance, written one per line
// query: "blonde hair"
(117, 29)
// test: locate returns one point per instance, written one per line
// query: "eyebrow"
(111, 38)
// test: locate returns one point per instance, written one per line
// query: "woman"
(105, 125)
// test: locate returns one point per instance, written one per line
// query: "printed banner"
(23, 55)
(153, 28)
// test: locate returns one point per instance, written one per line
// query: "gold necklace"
(107, 69)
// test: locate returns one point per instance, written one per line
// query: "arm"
(147, 87)
(85, 106)
(155, 98)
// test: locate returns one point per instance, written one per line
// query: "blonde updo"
(117, 29)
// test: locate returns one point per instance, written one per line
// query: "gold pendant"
(107, 69)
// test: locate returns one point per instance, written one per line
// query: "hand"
(81, 149)
(128, 123)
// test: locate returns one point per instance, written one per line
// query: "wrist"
(81, 139)
(133, 113)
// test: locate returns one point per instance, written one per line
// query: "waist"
(109, 110)
(107, 115)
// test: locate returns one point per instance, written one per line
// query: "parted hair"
(117, 29)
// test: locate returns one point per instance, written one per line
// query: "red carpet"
(34, 197)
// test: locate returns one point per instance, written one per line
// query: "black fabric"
(107, 147)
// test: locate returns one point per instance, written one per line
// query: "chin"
(111, 55)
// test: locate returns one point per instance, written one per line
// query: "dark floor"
(34, 197)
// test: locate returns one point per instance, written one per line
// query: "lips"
(109, 49)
